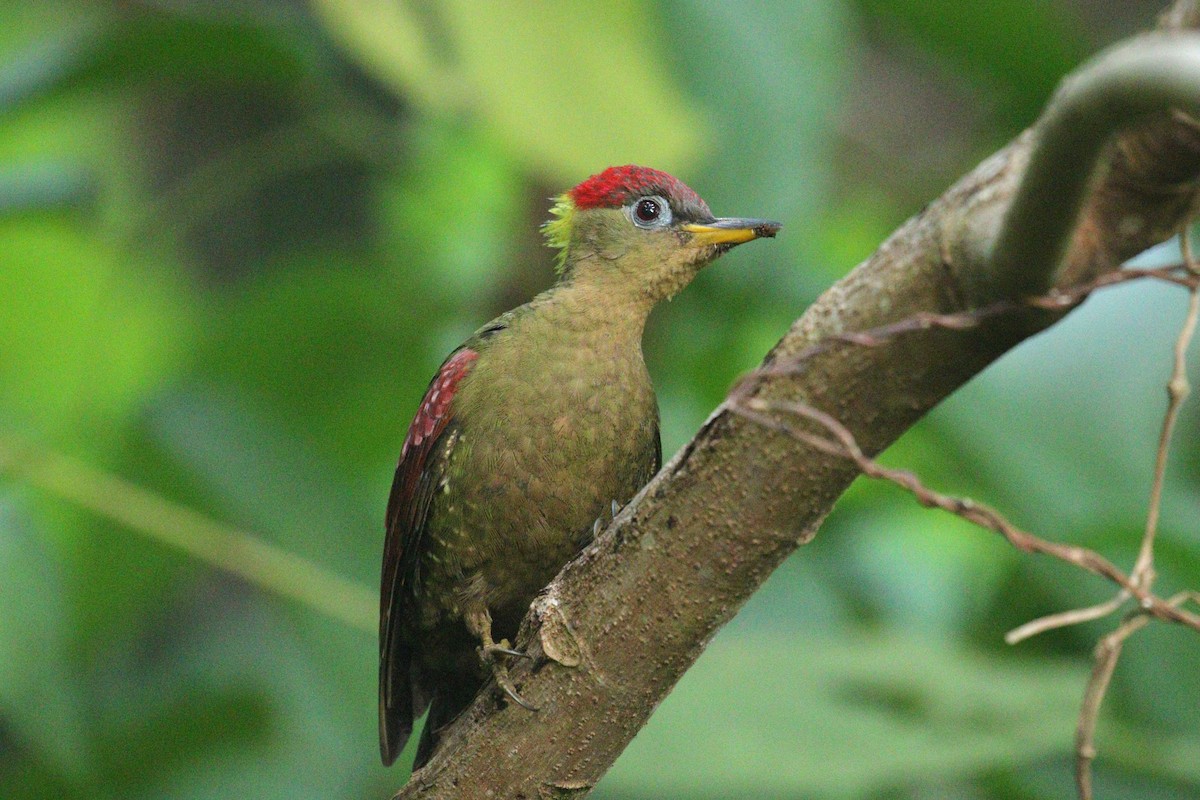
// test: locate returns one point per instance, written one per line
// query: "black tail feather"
(400, 699)
(453, 696)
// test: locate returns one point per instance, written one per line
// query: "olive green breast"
(556, 421)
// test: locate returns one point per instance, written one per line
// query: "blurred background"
(238, 236)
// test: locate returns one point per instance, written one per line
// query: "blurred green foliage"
(237, 237)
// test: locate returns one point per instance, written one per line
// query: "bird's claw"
(502, 648)
(516, 698)
(603, 520)
(493, 655)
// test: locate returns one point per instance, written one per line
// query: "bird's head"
(640, 228)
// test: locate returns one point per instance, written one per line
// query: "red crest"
(616, 186)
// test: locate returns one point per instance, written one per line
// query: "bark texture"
(620, 625)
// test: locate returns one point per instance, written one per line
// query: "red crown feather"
(616, 186)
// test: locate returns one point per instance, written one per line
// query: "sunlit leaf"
(573, 88)
(91, 335)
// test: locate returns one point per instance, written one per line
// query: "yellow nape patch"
(558, 229)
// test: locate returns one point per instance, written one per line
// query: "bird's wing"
(422, 464)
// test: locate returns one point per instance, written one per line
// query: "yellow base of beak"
(730, 231)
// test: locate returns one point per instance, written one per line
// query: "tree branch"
(837, 440)
(619, 626)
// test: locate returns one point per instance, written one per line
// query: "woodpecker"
(540, 425)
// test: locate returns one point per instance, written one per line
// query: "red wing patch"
(422, 465)
(412, 488)
(431, 416)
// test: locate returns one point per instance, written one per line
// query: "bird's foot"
(601, 523)
(502, 648)
(494, 655)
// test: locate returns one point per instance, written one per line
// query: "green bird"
(540, 425)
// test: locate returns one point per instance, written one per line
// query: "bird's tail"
(453, 695)
(396, 707)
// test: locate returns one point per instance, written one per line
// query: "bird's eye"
(647, 210)
(650, 212)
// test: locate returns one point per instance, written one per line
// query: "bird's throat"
(599, 312)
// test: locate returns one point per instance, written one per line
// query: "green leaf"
(292, 707)
(323, 344)
(86, 334)
(775, 716)
(575, 86)
(772, 78)
(43, 185)
(1065, 427)
(275, 483)
(39, 696)
(42, 66)
(1017, 52)
(455, 174)
(913, 563)
(72, 51)
(570, 90)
